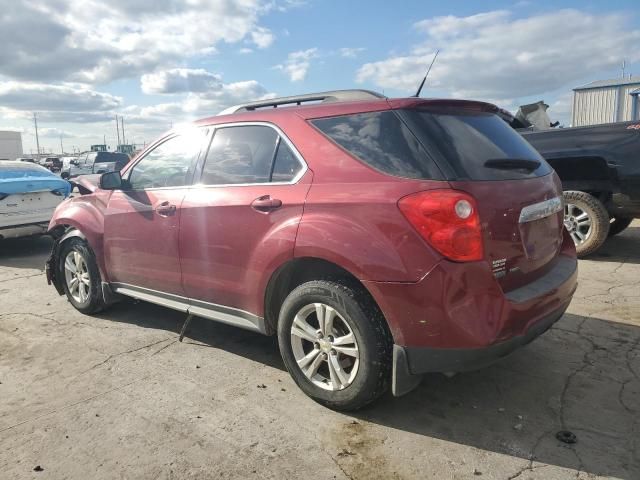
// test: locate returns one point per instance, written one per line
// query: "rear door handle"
(265, 204)
(165, 209)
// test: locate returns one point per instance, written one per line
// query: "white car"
(29, 194)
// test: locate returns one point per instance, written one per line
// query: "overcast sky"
(160, 62)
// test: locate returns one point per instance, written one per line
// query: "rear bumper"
(410, 363)
(457, 318)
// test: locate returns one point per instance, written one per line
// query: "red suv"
(379, 238)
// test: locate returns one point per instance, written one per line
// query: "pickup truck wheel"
(618, 225)
(81, 277)
(335, 344)
(587, 221)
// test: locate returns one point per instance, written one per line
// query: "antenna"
(427, 74)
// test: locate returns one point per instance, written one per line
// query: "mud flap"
(403, 381)
(50, 269)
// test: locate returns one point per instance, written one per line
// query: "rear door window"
(382, 141)
(476, 145)
(286, 166)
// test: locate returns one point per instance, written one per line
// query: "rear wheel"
(618, 225)
(81, 277)
(335, 344)
(587, 221)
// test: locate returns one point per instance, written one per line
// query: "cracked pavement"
(116, 396)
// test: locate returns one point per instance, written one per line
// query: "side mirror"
(111, 181)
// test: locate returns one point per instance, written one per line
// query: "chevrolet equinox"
(379, 239)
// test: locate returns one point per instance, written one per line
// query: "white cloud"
(348, 52)
(93, 41)
(493, 55)
(298, 63)
(262, 37)
(180, 80)
(22, 96)
(57, 133)
(196, 104)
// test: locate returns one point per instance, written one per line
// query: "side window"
(240, 155)
(286, 165)
(382, 141)
(168, 164)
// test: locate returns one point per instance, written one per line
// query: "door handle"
(165, 209)
(265, 204)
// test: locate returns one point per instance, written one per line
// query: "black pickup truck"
(599, 166)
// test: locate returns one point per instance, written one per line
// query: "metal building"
(10, 145)
(606, 101)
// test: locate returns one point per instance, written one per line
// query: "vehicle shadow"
(26, 252)
(200, 332)
(578, 376)
(624, 247)
(580, 379)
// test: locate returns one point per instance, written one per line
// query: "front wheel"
(587, 221)
(335, 344)
(81, 277)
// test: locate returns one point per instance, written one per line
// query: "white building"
(10, 145)
(606, 101)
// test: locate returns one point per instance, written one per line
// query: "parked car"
(26, 159)
(29, 194)
(599, 169)
(378, 238)
(91, 163)
(53, 164)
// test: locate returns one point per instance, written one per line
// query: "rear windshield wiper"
(512, 164)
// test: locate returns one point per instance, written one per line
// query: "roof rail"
(331, 96)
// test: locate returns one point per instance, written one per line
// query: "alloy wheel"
(77, 276)
(324, 347)
(578, 222)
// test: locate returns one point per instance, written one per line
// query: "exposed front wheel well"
(293, 274)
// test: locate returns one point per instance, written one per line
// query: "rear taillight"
(448, 220)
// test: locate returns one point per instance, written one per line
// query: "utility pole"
(122, 121)
(117, 132)
(35, 121)
(61, 147)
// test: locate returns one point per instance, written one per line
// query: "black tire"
(599, 221)
(94, 301)
(618, 225)
(64, 175)
(369, 328)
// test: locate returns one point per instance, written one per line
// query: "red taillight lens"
(448, 220)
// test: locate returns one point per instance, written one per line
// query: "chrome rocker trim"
(198, 308)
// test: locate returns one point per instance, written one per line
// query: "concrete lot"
(117, 397)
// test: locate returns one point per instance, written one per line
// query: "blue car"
(29, 194)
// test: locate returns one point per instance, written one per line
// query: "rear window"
(476, 145)
(382, 141)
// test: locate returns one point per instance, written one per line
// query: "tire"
(577, 204)
(618, 225)
(353, 308)
(92, 300)
(64, 175)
